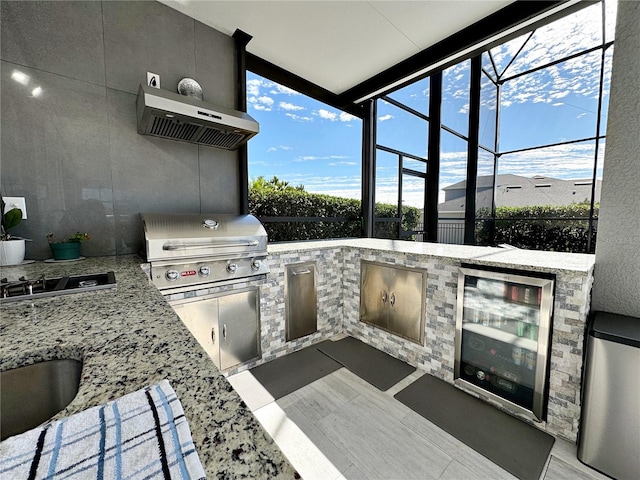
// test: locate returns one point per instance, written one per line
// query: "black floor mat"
(291, 372)
(517, 447)
(376, 367)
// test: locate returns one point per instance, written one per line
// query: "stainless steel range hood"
(170, 115)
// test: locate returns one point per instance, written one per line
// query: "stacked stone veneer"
(338, 291)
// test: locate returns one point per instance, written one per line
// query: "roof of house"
(518, 191)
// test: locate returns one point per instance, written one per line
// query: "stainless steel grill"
(189, 250)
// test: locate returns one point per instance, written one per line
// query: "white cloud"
(561, 161)
(278, 89)
(309, 158)
(326, 115)
(298, 118)
(253, 87)
(578, 76)
(345, 117)
(384, 118)
(260, 102)
(348, 164)
(290, 106)
(279, 147)
(260, 92)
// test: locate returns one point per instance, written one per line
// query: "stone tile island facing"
(338, 293)
(128, 338)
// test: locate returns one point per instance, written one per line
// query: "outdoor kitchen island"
(129, 338)
(338, 267)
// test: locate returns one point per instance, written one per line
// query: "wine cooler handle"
(384, 297)
(392, 299)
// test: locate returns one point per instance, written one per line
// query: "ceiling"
(338, 44)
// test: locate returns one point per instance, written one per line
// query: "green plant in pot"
(69, 248)
(11, 246)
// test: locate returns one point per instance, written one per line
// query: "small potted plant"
(69, 248)
(11, 247)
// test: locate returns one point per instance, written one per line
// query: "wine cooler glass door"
(502, 334)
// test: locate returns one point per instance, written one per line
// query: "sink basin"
(33, 394)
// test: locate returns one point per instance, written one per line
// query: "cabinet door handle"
(301, 272)
(224, 331)
(213, 336)
(392, 300)
(384, 297)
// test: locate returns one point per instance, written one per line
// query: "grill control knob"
(204, 271)
(172, 275)
(210, 224)
(232, 267)
(255, 265)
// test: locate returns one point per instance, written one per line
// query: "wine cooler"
(503, 327)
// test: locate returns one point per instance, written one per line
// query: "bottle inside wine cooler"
(517, 354)
(530, 360)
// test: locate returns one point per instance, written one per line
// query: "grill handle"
(194, 246)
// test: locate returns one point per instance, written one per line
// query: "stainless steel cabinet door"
(374, 294)
(393, 298)
(201, 318)
(238, 328)
(406, 304)
(301, 307)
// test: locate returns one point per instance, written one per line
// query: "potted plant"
(11, 247)
(69, 248)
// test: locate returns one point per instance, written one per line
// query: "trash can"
(609, 438)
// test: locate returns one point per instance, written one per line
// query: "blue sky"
(309, 143)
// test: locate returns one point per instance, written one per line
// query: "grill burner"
(25, 288)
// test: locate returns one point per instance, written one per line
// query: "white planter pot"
(11, 252)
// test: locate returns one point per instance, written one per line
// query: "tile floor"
(341, 427)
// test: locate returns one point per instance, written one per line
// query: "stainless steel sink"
(33, 394)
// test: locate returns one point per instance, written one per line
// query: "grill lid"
(173, 236)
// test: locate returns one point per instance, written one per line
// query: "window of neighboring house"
(304, 149)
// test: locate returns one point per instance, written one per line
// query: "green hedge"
(540, 227)
(295, 202)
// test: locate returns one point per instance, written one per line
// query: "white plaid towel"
(142, 435)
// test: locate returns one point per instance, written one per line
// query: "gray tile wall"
(73, 151)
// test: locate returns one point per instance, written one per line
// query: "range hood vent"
(178, 117)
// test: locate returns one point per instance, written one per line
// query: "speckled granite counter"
(128, 338)
(492, 256)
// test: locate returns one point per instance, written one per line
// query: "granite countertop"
(129, 338)
(538, 260)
